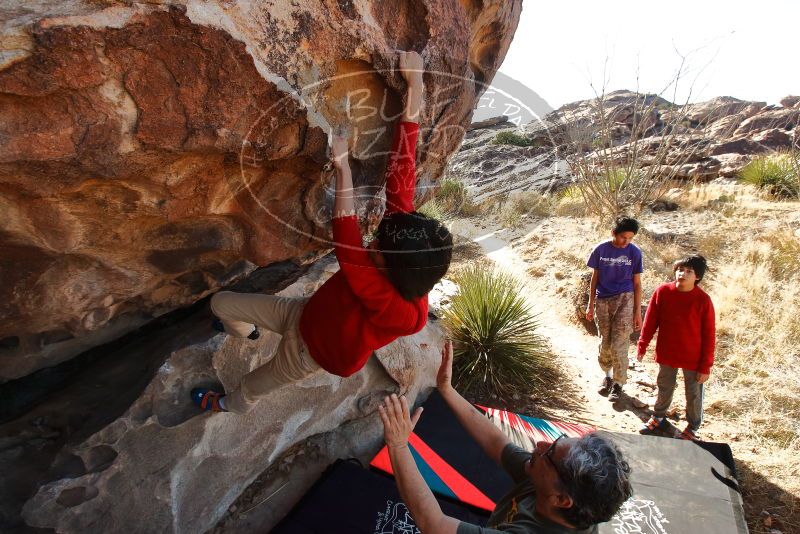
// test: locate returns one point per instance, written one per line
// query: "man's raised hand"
(444, 377)
(397, 423)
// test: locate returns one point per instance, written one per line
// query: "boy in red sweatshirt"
(380, 293)
(684, 317)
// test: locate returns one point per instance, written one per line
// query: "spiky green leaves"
(494, 334)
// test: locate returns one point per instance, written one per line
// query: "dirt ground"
(548, 255)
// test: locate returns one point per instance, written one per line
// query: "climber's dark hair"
(417, 251)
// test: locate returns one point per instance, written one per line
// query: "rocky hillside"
(152, 153)
(712, 139)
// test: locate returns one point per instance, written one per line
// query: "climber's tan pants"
(291, 362)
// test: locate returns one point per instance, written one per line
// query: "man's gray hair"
(595, 474)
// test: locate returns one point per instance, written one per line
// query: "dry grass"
(757, 386)
(512, 210)
(433, 209)
(659, 255)
(531, 203)
(569, 203)
(725, 199)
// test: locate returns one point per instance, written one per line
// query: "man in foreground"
(565, 487)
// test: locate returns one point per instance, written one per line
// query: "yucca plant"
(496, 346)
(775, 174)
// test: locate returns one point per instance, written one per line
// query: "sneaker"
(605, 389)
(688, 434)
(616, 393)
(217, 325)
(653, 424)
(207, 399)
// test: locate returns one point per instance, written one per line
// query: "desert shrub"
(623, 171)
(509, 218)
(433, 209)
(524, 204)
(496, 346)
(775, 173)
(510, 137)
(454, 199)
(569, 202)
(492, 203)
(532, 203)
(571, 192)
(611, 190)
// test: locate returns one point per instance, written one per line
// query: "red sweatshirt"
(686, 328)
(358, 310)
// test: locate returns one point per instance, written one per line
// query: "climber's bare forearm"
(343, 204)
(413, 101)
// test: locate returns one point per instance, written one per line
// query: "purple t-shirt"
(616, 267)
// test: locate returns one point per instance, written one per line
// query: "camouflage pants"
(614, 318)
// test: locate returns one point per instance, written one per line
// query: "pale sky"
(746, 49)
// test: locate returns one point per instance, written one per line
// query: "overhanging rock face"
(152, 153)
(164, 467)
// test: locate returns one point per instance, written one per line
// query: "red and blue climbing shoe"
(653, 425)
(207, 399)
(688, 434)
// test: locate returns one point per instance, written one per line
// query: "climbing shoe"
(653, 425)
(207, 399)
(219, 327)
(688, 434)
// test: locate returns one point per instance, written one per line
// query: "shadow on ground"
(759, 494)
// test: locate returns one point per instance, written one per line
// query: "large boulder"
(154, 152)
(162, 466)
(768, 119)
(710, 111)
(791, 101)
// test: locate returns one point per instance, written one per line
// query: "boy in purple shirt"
(615, 298)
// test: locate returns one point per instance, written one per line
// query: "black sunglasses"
(549, 455)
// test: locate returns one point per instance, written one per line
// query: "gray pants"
(614, 317)
(667, 378)
(291, 361)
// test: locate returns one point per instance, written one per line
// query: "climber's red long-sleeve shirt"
(686, 328)
(358, 310)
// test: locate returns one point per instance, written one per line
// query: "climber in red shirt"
(380, 293)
